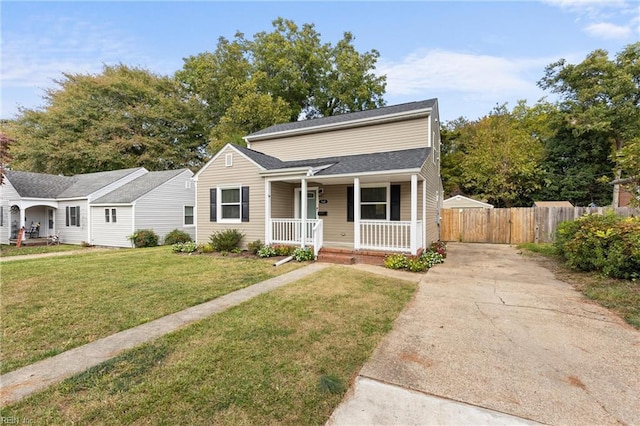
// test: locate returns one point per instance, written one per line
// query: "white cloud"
(63, 45)
(608, 31)
(461, 72)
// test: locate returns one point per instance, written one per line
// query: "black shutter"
(77, 215)
(67, 211)
(245, 204)
(350, 204)
(213, 195)
(395, 202)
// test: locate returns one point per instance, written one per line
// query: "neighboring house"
(462, 202)
(364, 180)
(552, 204)
(97, 208)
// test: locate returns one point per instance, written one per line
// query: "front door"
(312, 203)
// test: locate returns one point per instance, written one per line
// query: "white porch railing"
(289, 231)
(388, 235)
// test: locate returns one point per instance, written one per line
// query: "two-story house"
(367, 180)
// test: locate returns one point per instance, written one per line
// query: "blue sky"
(471, 55)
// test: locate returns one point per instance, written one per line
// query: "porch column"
(414, 214)
(267, 212)
(356, 213)
(22, 222)
(424, 213)
(303, 211)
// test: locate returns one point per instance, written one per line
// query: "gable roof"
(138, 187)
(346, 164)
(461, 202)
(341, 119)
(42, 185)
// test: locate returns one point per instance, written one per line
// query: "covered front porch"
(367, 214)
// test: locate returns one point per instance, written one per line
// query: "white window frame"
(106, 215)
(228, 160)
(219, 205)
(113, 215)
(369, 203)
(193, 215)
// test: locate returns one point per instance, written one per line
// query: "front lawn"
(51, 305)
(27, 249)
(285, 357)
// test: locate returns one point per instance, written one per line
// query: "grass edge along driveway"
(51, 305)
(284, 357)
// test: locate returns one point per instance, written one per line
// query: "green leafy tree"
(602, 95)
(124, 117)
(452, 152)
(577, 168)
(282, 75)
(503, 156)
(5, 154)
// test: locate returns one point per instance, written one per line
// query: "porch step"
(350, 257)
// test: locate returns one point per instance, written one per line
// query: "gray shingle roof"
(138, 187)
(343, 118)
(89, 183)
(348, 164)
(38, 185)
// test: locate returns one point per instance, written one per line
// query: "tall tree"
(5, 154)
(502, 159)
(291, 73)
(602, 95)
(124, 117)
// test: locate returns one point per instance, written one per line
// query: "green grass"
(285, 357)
(620, 296)
(24, 250)
(51, 305)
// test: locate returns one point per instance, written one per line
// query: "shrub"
(431, 258)
(144, 238)
(439, 247)
(266, 251)
(205, 248)
(255, 246)
(413, 263)
(226, 240)
(176, 236)
(283, 250)
(186, 247)
(303, 254)
(606, 243)
(395, 261)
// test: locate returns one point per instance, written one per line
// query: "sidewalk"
(20, 383)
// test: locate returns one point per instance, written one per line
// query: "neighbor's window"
(113, 215)
(230, 203)
(188, 215)
(73, 216)
(373, 203)
(106, 215)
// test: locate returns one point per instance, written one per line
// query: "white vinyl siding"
(73, 234)
(384, 137)
(163, 208)
(112, 234)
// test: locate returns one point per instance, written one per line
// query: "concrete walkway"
(493, 338)
(20, 383)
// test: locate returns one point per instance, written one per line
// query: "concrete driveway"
(493, 338)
